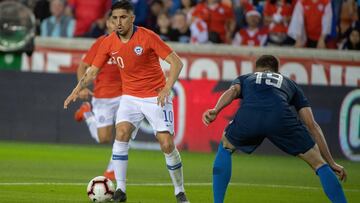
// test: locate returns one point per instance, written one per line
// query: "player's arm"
(175, 68)
(85, 93)
(101, 56)
(85, 81)
(225, 99)
(307, 117)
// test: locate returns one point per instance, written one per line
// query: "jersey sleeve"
(299, 100)
(159, 46)
(102, 54)
(239, 81)
(90, 55)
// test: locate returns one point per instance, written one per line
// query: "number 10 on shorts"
(168, 116)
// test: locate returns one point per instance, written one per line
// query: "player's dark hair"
(268, 62)
(123, 4)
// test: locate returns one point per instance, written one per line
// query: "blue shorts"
(251, 126)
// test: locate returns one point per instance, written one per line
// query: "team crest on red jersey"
(138, 50)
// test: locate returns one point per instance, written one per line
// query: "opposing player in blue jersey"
(266, 112)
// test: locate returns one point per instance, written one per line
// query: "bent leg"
(173, 160)
(92, 125)
(222, 170)
(105, 134)
(120, 153)
(328, 179)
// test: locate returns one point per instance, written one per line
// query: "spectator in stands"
(277, 15)
(353, 40)
(219, 19)
(87, 12)
(253, 34)
(187, 6)
(156, 7)
(163, 28)
(181, 32)
(333, 37)
(240, 8)
(172, 6)
(98, 28)
(58, 24)
(311, 23)
(348, 17)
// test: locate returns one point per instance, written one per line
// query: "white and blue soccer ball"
(100, 189)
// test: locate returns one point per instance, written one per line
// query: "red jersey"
(87, 12)
(285, 10)
(138, 60)
(108, 81)
(215, 17)
(250, 38)
(313, 15)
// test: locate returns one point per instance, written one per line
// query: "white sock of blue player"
(110, 166)
(120, 161)
(91, 123)
(174, 165)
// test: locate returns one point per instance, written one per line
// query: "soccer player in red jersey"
(219, 18)
(146, 93)
(106, 97)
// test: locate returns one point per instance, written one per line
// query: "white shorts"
(105, 110)
(135, 109)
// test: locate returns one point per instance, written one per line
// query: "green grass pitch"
(59, 173)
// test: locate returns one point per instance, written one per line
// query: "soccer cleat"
(181, 198)
(119, 196)
(110, 175)
(79, 114)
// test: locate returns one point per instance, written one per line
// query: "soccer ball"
(100, 189)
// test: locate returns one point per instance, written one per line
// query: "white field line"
(186, 184)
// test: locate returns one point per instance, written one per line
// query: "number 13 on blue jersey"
(273, 79)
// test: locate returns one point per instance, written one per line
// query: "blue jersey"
(270, 90)
(266, 111)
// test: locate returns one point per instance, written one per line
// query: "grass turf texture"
(255, 178)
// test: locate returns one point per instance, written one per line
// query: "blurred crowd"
(332, 24)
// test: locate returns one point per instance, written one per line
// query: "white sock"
(110, 166)
(120, 162)
(174, 165)
(91, 123)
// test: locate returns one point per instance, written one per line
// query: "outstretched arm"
(85, 81)
(226, 98)
(81, 70)
(307, 117)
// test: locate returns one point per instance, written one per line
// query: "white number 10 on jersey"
(119, 61)
(272, 79)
